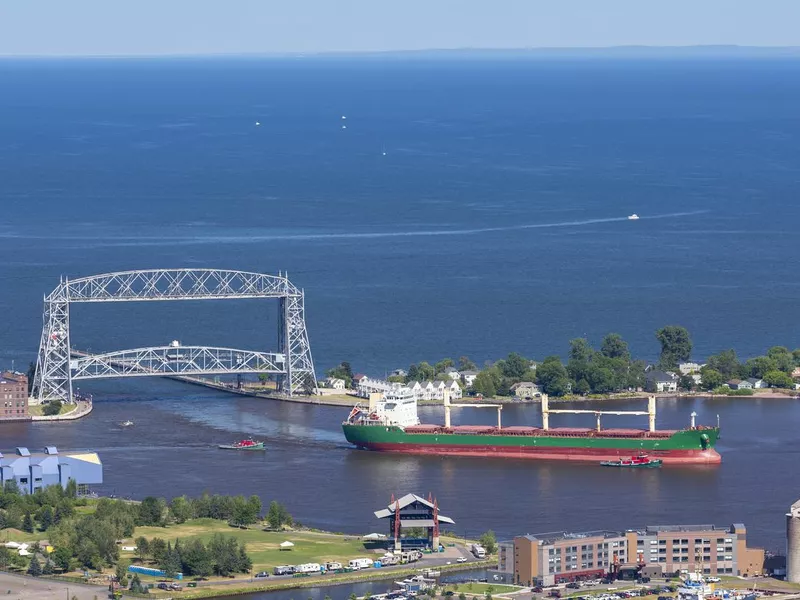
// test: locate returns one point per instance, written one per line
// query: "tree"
(779, 379)
(465, 364)
(27, 523)
(613, 346)
(676, 345)
(158, 548)
(171, 563)
(151, 511)
(61, 557)
(515, 366)
(45, 518)
(581, 387)
(136, 585)
(71, 491)
(726, 363)
(181, 509)
(47, 567)
(277, 515)
(462, 596)
(488, 541)
(710, 378)
(484, 383)
(35, 567)
(782, 357)
(425, 371)
(5, 557)
(580, 350)
(687, 383)
(196, 560)
(760, 365)
(52, 408)
(142, 547)
(121, 573)
(552, 377)
(443, 364)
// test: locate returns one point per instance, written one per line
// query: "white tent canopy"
(286, 545)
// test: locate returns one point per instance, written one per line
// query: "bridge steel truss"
(55, 371)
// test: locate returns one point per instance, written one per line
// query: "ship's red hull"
(669, 457)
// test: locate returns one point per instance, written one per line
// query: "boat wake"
(276, 237)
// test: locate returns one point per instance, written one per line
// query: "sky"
(200, 27)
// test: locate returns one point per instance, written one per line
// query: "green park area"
(263, 546)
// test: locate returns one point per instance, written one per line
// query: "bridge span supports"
(292, 364)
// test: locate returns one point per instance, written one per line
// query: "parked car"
(175, 587)
(538, 589)
(574, 585)
(262, 574)
(163, 585)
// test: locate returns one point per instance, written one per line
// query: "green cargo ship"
(391, 426)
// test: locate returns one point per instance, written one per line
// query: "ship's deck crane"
(651, 413)
(448, 406)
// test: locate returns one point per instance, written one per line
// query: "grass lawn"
(263, 546)
(36, 409)
(481, 588)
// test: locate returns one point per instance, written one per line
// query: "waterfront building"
(452, 373)
(416, 516)
(546, 559)
(738, 384)
(661, 381)
(33, 471)
(756, 383)
(525, 389)
(13, 396)
(687, 368)
(334, 383)
(469, 377)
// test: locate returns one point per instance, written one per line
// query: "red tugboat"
(248, 444)
(640, 461)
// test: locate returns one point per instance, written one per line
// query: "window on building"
(23, 480)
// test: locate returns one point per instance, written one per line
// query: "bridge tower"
(55, 368)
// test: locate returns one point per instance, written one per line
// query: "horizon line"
(722, 49)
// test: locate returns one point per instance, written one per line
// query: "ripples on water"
(308, 465)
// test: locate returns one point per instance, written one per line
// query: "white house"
(469, 377)
(660, 381)
(452, 373)
(368, 386)
(454, 390)
(687, 368)
(334, 383)
(757, 383)
(525, 389)
(416, 389)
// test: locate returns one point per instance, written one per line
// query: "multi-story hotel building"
(550, 558)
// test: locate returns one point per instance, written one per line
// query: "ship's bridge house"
(410, 514)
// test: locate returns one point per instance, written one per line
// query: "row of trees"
(610, 368)
(221, 556)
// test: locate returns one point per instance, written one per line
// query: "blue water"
(495, 221)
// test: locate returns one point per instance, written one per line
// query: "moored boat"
(640, 461)
(248, 444)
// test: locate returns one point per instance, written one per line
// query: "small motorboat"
(126, 424)
(248, 444)
(633, 217)
(640, 461)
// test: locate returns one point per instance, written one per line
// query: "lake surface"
(171, 450)
(494, 222)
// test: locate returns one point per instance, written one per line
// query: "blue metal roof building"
(32, 471)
